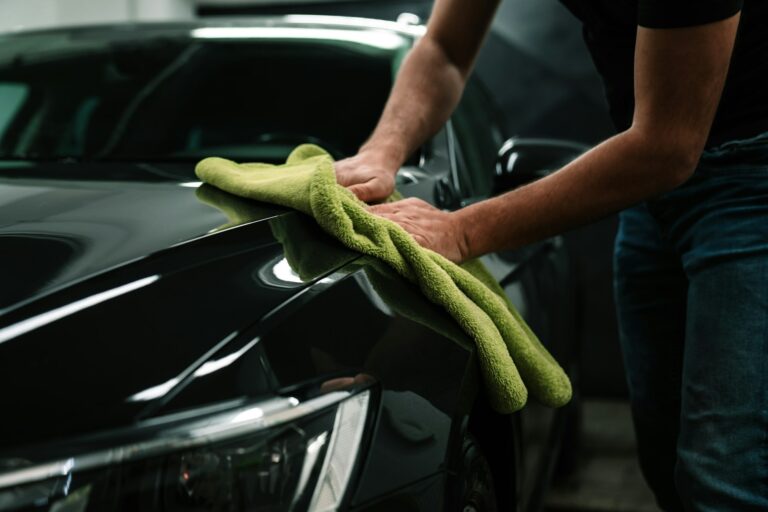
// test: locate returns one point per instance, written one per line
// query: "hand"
(434, 229)
(360, 379)
(366, 177)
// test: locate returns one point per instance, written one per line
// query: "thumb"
(342, 177)
(364, 191)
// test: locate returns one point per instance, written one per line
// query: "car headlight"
(278, 455)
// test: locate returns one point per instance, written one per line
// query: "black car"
(167, 346)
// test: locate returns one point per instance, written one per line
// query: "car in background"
(167, 346)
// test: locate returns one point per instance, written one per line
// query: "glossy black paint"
(60, 223)
(238, 300)
(208, 303)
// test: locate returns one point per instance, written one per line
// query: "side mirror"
(522, 161)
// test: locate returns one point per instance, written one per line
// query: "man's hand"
(434, 229)
(368, 179)
(427, 89)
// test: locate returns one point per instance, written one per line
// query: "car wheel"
(476, 489)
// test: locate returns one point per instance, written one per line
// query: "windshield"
(153, 94)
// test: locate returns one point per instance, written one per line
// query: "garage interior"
(541, 76)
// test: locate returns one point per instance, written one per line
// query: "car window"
(12, 97)
(479, 137)
(177, 97)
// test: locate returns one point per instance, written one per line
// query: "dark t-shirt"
(610, 27)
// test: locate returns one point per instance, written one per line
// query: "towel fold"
(511, 358)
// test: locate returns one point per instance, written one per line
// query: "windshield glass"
(125, 93)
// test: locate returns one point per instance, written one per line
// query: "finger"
(342, 178)
(399, 220)
(408, 226)
(415, 202)
(387, 215)
(334, 384)
(363, 378)
(378, 209)
(364, 191)
(420, 240)
(393, 206)
(342, 171)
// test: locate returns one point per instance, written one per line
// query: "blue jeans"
(691, 285)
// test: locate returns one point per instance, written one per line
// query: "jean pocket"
(747, 157)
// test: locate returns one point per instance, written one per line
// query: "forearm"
(620, 172)
(425, 93)
(679, 77)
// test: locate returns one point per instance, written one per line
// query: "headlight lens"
(297, 457)
(344, 445)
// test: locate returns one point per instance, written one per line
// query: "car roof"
(367, 35)
(236, 25)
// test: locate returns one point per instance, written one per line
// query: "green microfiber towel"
(512, 360)
(308, 250)
(312, 255)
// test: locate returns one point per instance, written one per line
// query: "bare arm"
(679, 78)
(427, 89)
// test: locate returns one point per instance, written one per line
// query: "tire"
(476, 489)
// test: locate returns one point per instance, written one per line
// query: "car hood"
(60, 225)
(118, 285)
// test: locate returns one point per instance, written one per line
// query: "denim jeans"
(691, 285)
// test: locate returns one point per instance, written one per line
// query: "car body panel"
(210, 300)
(136, 294)
(77, 228)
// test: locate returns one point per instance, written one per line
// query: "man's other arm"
(427, 89)
(679, 77)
